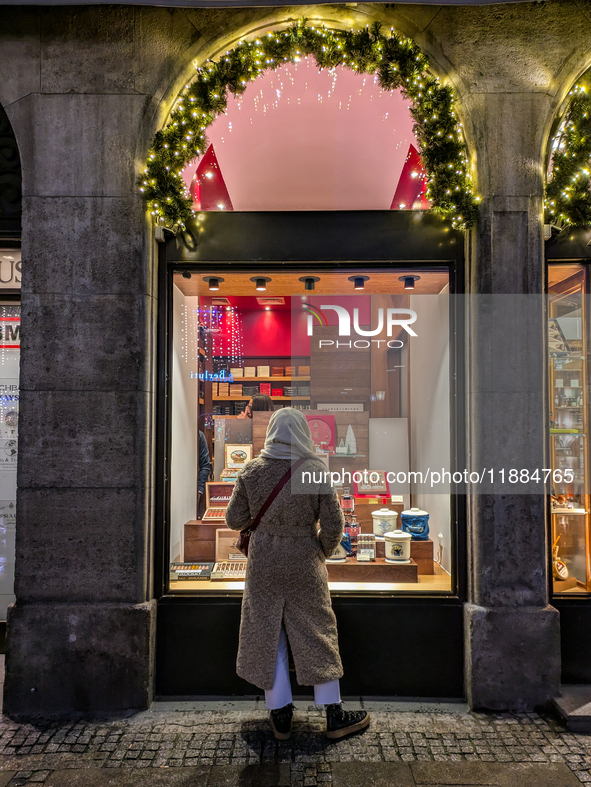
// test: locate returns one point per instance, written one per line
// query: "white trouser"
(280, 695)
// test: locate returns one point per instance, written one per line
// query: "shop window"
(304, 138)
(367, 361)
(568, 375)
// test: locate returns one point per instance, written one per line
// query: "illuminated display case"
(569, 428)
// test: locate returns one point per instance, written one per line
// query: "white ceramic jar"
(397, 546)
(384, 521)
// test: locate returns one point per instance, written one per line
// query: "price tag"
(363, 558)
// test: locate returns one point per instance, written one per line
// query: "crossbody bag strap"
(280, 484)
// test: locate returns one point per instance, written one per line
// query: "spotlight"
(309, 282)
(358, 281)
(260, 282)
(409, 281)
(186, 275)
(214, 282)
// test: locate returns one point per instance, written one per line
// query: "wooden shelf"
(264, 379)
(247, 398)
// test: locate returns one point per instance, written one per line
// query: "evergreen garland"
(397, 61)
(568, 194)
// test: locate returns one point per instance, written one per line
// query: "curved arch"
(568, 192)
(398, 62)
(10, 179)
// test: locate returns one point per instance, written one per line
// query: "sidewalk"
(229, 744)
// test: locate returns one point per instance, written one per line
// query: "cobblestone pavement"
(29, 754)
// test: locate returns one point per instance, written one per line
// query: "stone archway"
(399, 64)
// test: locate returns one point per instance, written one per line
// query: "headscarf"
(288, 436)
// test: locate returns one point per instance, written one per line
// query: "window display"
(366, 358)
(568, 377)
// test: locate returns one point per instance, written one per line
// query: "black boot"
(281, 722)
(340, 723)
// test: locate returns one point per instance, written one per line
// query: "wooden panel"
(200, 540)
(381, 378)
(338, 374)
(260, 421)
(422, 553)
(378, 571)
(331, 283)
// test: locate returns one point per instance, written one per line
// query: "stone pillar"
(512, 642)
(80, 636)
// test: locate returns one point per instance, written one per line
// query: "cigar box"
(276, 391)
(226, 545)
(263, 371)
(277, 371)
(214, 389)
(237, 373)
(235, 389)
(303, 371)
(290, 371)
(250, 371)
(265, 388)
(223, 389)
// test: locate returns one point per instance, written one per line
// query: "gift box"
(277, 371)
(265, 388)
(276, 391)
(235, 389)
(263, 371)
(250, 371)
(237, 372)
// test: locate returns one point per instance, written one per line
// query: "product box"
(190, 571)
(235, 389)
(290, 390)
(265, 388)
(214, 389)
(323, 432)
(276, 391)
(225, 546)
(237, 372)
(303, 390)
(263, 371)
(250, 371)
(303, 371)
(223, 389)
(290, 371)
(250, 390)
(277, 371)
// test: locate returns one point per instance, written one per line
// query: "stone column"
(80, 636)
(512, 642)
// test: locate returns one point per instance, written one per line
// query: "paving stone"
(250, 776)
(361, 774)
(494, 774)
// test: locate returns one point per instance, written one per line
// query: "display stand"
(376, 571)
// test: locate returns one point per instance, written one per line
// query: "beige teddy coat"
(286, 576)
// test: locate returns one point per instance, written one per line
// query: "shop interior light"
(358, 281)
(214, 282)
(309, 282)
(409, 281)
(260, 282)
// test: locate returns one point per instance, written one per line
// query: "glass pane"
(568, 385)
(10, 320)
(301, 138)
(375, 393)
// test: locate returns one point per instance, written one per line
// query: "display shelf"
(267, 379)
(247, 398)
(569, 511)
(580, 432)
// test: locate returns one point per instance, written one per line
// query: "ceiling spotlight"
(409, 281)
(358, 281)
(309, 281)
(214, 282)
(260, 282)
(186, 275)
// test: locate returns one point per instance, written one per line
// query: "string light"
(399, 64)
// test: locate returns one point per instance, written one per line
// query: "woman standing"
(286, 594)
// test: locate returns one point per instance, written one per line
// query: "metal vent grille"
(270, 301)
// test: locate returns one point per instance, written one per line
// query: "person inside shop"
(204, 472)
(257, 402)
(286, 595)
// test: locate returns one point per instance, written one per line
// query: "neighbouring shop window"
(568, 377)
(367, 361)
(304, 138)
